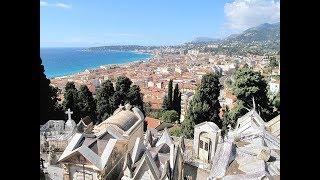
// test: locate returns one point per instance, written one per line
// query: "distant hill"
(121, 48)
(263, 33)
(204, 40)
(262, 39)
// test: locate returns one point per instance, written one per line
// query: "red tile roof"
(152, 122)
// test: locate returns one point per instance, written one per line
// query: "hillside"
(262, 33)
(263, 39)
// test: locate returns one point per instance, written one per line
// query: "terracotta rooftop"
(152, 122)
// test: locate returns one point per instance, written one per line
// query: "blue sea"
(67, 61)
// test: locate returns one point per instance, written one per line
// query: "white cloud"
(58, 5)
(62, 5)
(243, 14)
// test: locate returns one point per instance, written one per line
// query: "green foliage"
(233, 114)
(108, 99)
(273, 63)
(176, 101)
(170, 116)
(198, 111)
(205, 105)
(55, 109)
(188, 128)
(71, 101)
(49, 106)
(123, 84)
(104, 97)
(86, 103)
(248, 84)
(135, 98)
(276, 101)
(176, 131)
(172, 101)
(165, 103)
(147, 108)
(156, 113)
(169, 107)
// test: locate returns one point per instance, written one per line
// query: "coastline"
(107, 66)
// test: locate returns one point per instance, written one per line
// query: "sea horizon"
(65, 61)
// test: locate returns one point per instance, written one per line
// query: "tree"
(231, 116)
(86, 103)
(248, 85)
(205, 105)
(176, 101)
(176, 131)
(169, 107)
(170, 116)
(276, 101)
(165, 103)
(71, 100)
(49, 106)
(147, 108)
(135, 98)
(156, 113)
(104, 98)
(123, 84)
(188, 128)
(273, 63)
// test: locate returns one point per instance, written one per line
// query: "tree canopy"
(176, 101)
(86, 103)
(71, 100)
(249, 84)
(123, 84)
(170, 116)
(49, 106)
(135, 98)
(169, 95)
(104, 99)
(172, 101)
(205, 105)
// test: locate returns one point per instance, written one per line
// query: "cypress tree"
(248, 84)
(165, 103)
(176, 101)
(170, 95)
(71, 100)
(135, 97)
(123, 84)
(205, 105)
(86, 103)
(104, 100)
(49, 106)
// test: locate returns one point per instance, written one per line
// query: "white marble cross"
(69, 112)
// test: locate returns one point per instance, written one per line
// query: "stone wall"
(59, 145)
(76, 172)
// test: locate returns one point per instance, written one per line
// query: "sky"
(87, 23)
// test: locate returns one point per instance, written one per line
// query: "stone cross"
(69, 112)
